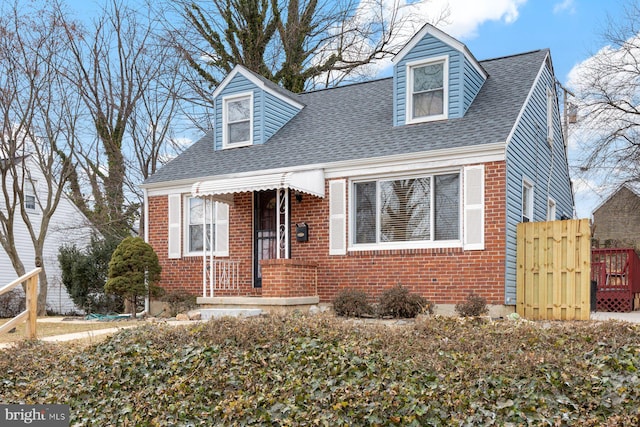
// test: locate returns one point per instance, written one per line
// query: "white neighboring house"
(68, 226)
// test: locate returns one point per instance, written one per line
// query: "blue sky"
(571, 29)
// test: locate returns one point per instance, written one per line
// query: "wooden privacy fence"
(30, 313)
(553, 270)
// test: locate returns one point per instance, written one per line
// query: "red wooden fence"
(616, 272)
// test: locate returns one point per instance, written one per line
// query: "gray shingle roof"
(355, 122)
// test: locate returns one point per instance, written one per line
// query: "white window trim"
(185, 227)
(551, 209)
(225, 136)
(31, 192)
(409, 89)
(529, 184)
(422, 244)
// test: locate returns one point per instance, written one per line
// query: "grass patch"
(48, 329)
(297, 370)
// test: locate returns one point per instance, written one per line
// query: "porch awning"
(310, 182)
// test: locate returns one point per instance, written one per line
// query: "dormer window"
(427, 90)
(237, 117)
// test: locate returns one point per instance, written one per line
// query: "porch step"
(208, 313)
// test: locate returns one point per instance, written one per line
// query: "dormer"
(435, 77)
(249, 109)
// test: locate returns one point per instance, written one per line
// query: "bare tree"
(120, 69)
(608, 90)
(38, 113)
(299, 44)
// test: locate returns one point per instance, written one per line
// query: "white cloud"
(467, 15)
(458, 18)
(565, 6)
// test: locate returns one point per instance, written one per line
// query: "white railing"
(30, 314)
(220, 276)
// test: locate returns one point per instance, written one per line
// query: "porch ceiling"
(311, 182)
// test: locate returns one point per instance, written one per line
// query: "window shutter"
(222, 229)
(175, 225)
(337, 218)
(474, 207)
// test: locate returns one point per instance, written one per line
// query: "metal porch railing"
(220, 277)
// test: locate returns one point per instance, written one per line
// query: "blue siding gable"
(532, 158)
(270, 112)
(472, 82)
(464, 78)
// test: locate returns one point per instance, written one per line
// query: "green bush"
(352, 303)
(474, 306)
(84, 274)
(321, 370)
(399, 302)
(134, 270)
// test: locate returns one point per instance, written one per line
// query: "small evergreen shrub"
(352, 303)
(399, 302)
(179, 302)
(474, 306)
(134, 271)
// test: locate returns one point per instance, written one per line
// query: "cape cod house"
(418, 180)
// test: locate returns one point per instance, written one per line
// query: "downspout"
(145, 208)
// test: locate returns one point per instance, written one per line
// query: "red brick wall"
(186, 273)
(288, 278)
(444, 276)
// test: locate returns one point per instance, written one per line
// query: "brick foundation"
(289, 278)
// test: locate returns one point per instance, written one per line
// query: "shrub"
(399, 302)
(84, 273)
(179, 301)
(12, 303)
(474, 306)
(352, 302)
(134, 270)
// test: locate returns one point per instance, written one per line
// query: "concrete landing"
(212, 313)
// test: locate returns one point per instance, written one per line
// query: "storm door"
(265, 231)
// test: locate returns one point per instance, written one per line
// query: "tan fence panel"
(553, 270)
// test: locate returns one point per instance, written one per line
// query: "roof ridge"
(378, 79)
(515, 55)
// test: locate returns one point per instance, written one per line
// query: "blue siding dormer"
(249, 109)
(462, 77)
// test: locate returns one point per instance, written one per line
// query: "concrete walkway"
(88, 335)
(633, 317)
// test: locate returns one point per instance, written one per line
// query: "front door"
(265, 235)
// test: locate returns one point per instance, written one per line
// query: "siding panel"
(68, 226)
(276, 114)
(530, 156)
(472, 83)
